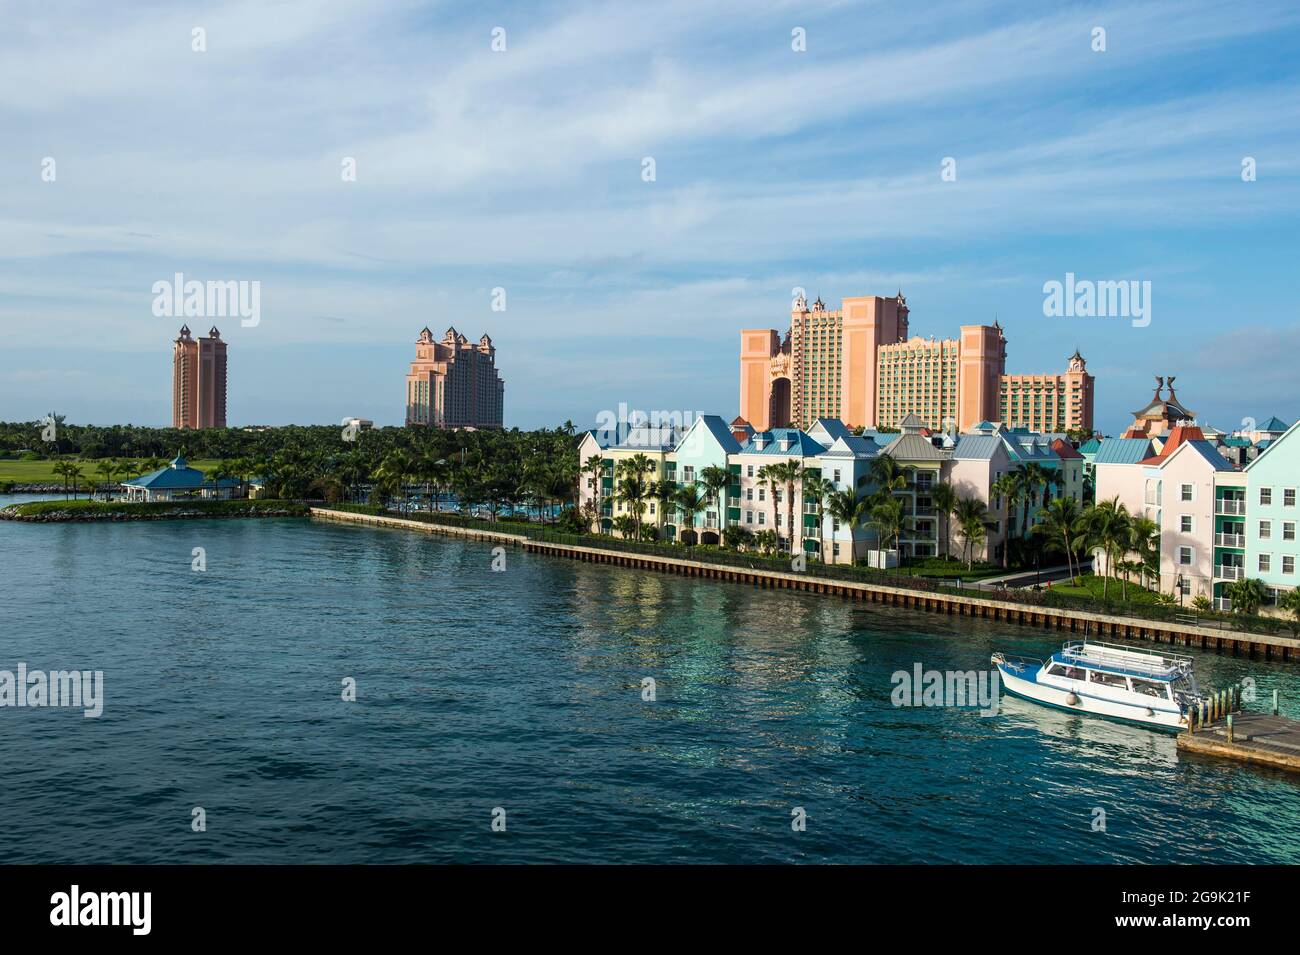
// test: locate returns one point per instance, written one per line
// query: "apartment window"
(1288, 564)
(835, 549)
(688, 473)
(762, 518)
(1185, 491)
(749, 493)
(837, 476)
(835, 526)
(778, 518)
(1265, 563)
(1288, 497)
(1185, 524)
(1185, 588)
(1288, 530)
(749, 471)
(1185, 556)
(652, 507)
(762, 494)
(749, 517)
(1265, 530)
(1265, 496)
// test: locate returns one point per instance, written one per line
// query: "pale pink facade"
(453, 383)
(198, 380)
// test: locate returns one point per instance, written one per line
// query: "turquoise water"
(522, 690)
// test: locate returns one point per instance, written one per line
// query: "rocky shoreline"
(82, 515)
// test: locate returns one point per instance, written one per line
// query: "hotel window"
(762, 518)
(749, 493)
(1265, 563)
(1288, 564)
(1186, 492)
(1185, 524)
(762, 494)
(1288, 497)
(1185, 556)
(749, 517)
(1288, 530)
(1265, 496)
(1265, 530)
(749, 470)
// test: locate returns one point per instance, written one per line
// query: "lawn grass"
(42, 472)
(1090, 585)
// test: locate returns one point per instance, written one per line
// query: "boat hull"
(1059, 698)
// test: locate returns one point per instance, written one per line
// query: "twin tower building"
(453, 383)
(859, 364)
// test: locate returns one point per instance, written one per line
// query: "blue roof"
(800, 443)
(834, 427)
(977, 447)
(176, 476)
(1236, 442)
(1090, 446)
(1207, 450)
(1274, 424)
(1123, 451)
(721, 432)
(1263, 443)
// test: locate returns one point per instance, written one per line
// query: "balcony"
(1228, 572)
(1229, 540)
(1230, 506)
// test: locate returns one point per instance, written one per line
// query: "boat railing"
(1120, 657)
(1016, 662)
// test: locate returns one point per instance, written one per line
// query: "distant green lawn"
(42, 472)
(1092, 587)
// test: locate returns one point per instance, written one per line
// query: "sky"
(524, 169)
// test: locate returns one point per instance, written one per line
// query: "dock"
(1226, 731)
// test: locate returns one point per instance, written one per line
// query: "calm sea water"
(522, 690)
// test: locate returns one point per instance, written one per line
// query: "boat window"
(1150, 688)
(1068, 672)
(1107, 679)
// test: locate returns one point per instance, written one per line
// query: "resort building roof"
(1123, 451)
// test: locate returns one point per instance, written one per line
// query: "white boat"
(1144, 687)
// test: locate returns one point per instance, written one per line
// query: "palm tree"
(766, 541)
(816, 490)
(1109, 530)
(850, 510)
(1062, 523)
(1033, 477)
(714, 480)
(944, 498)
(1144, 540)
(664, 493)
(769, 475)
(392, 474)
(595, 466)
(972, 517)
(690, 500)
(1247, 595)
(219, 473)
(632, 486)
(108, 469)
(1007, 489)
(887, 517)
(73, 473)
(785, 473)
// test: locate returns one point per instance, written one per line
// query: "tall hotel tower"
(859, 365)
(453, 383)
(199, 380)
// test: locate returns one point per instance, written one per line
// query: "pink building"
(198, 380)
(453, 383)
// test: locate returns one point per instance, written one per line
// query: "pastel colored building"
(1049, 403)
(199, 380)
(762, 503)
(859, 364)
(846, 463)
(709, 442)
(453, 383)
(1271, 517)
(927, 465)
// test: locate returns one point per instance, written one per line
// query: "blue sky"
(522, 170)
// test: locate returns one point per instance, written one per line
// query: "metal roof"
(1123, 451)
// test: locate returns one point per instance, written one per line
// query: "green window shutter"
(733, 513)
(810, 520)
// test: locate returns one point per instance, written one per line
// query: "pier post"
(1230, 728)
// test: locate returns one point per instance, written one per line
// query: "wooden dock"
(1260, 738)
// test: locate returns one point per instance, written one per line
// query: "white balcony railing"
(1222, 603)
(1227, 572)
(1229, 540)
(1229, 506)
